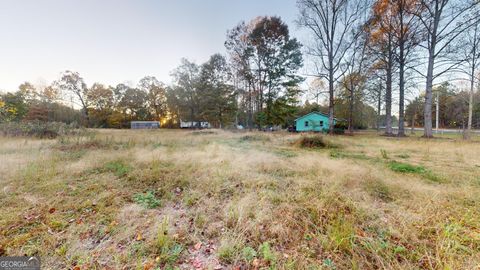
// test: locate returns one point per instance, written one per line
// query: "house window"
(321, 123)
(306, 123)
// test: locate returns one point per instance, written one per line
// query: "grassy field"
(171, 199)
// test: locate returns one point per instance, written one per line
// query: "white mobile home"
(200, 124)
(144, 124)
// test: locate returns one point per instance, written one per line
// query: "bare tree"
(316, 89)
(382, 45)
(443, 21)
(471, 52)
(331, 22)
(354, 81)
(73, 85)
(407, 37)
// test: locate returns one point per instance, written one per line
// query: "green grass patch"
(406, 168)
(344, 154)
(402, 167)
(285, 153)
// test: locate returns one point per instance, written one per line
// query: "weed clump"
(148, 200)
(379, 189)
(255, 138)
(118, 168)
(166, 247)
(204, 132)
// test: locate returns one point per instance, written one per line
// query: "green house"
(314, 121)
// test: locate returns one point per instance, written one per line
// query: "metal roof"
(314, 112)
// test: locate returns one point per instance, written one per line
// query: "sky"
(118, 41)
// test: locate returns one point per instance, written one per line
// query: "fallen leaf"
(148, 266)
(256, 263)
(139, 237)
(197, 264)
(198, 246)
(52, 210)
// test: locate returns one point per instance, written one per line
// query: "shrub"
(38, 129)
(316, 141)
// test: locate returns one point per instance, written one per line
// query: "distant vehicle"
(240, 127)
(144, 124)
(198, 124)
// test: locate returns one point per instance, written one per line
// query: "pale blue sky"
(113, 41)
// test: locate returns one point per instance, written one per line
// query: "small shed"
(144, 124)
(314, 121)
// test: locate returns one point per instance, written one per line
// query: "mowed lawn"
(173, 199)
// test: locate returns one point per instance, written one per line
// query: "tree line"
(364, 57)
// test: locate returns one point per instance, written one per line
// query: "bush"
(312, 142)
(316, 141)
(38, 129)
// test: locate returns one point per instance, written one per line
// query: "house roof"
(314, 112)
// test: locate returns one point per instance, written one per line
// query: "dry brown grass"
(252, 200)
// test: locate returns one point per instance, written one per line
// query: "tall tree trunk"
(472, 86)
(350, 109)
(412, 129)
(350, 117)
(331, 102)
(401, 106)
(437, 112)
(427, 114)
(379, 108)
(388, 101)
(470, 102)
